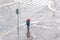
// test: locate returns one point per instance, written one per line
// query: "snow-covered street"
(45, 19)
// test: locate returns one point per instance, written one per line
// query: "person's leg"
(28, 28)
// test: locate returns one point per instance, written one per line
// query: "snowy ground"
(48, 27)
(39, 32)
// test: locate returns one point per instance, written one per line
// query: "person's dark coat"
(28, 22)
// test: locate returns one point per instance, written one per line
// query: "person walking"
(28, 24)
(28, 29)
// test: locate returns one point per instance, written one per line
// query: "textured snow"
(46, 28)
